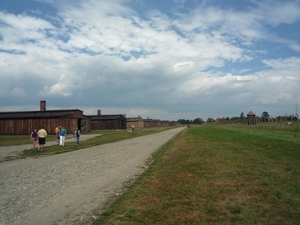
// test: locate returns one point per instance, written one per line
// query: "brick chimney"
(99, 112)
(42, 105)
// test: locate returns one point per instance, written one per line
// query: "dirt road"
(66, 188)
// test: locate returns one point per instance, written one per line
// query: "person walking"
(33, 138)
(57, 133)
(62, 136)
(42, 133)
(76, 135)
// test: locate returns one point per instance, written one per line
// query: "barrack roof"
(37, 114)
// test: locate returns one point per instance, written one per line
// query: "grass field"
(107, 136)
(216, 175)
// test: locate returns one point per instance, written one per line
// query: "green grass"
(105, 136)
(216, 175)
(8, 140)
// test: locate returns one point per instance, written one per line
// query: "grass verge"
(216, 175)
(105, 136)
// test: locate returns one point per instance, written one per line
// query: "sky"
(168, 60)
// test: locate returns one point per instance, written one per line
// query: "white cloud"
(24, 22)
(63, 87)
(152, 66)
(244, 70)
(177, 66)
(17, 30)
(281, 11)
(287, 64)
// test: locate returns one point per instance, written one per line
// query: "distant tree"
(198, 121)
(265, 116)
(294, 117)
(242, 115)
(291, 117)
(183, 121)
(209, 120)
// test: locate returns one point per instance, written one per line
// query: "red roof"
(251, 113)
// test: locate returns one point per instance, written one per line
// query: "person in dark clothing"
(33, 138)
(76, 136)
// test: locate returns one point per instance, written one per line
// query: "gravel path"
(66, 188)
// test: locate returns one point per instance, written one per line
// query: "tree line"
(195, 121)
(265, 117)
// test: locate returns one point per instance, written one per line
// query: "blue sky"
(175, 59)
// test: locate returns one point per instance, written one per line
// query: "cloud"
(64, 86)
(182, 64)
(18, 29)
(281, 12)
(285, 67)
(108, 55)
(18, 92)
